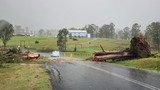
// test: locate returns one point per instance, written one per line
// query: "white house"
(79, 33)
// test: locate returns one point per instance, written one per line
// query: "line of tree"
(128, 33)
(108, 31)
(152, 34)
(125, 33)
(43, 32)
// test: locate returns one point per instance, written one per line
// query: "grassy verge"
(24, 76)
(146, 63)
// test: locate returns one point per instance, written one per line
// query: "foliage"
(75, 39)
(62, 39)
(6, 31)
(70, 36)
(11, 56)
(135, 31)
(41, 32)
(126, 33)
(14, 50)
(48, 33)
(121, 34)
(153, 31)
(36, 42)
(107, 31)
(92, 29)
(112, 30)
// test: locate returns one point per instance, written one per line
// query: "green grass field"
(87, 49)
(45, 43)
(24, 76)
(84, 47)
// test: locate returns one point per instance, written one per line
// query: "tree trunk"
(158, 46)
(4, 43)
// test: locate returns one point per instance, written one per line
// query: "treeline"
(151, 33)
(109, 31)
(19, 30)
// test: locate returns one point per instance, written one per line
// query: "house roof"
(78, 31)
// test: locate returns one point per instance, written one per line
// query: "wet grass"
(46, 44)
(145, 63)
(24, 76)
(84, 50)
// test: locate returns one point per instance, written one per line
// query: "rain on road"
(86, 75)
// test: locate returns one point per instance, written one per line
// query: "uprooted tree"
(139, 48)
(6, 31)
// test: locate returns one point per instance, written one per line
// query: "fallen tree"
(139, 48)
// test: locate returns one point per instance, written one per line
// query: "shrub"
(36, 42)
(13, 50)
(2, 59)
(75, 39)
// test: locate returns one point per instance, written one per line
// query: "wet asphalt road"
(78, 75)
(87, 75)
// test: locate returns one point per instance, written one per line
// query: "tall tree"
(154, 31)
(121, 34)
(135, 31)
(107, 31)
(104, 31)
(112, 30)
(127, 33)
(48, 33)
(65, 33)
(41, 32)
(92, 29)
(62, 39)
(6, 31)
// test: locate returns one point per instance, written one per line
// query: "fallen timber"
(139, 48)
(102, 56)
(30, 56)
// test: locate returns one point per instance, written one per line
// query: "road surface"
(87, 75)
(80, 75)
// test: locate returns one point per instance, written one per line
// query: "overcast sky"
(77, 13)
